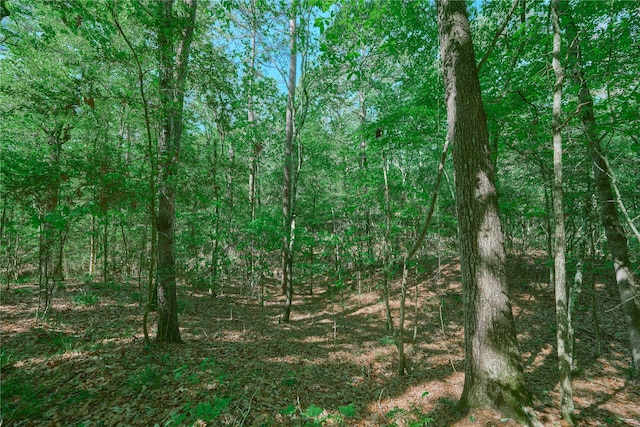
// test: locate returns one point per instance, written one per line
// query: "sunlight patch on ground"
(539, 359)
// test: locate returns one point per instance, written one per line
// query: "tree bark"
(493, 371)
(616, 237)
(560, 272)
(56, 139)
(287, 187)
(257, 146)
(173, 60)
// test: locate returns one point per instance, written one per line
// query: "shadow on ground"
(334, 364)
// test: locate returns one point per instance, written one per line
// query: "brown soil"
(334, 364)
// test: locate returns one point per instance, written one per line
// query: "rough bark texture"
(616, 237)
(174, 41)
(560, 271)
(287, 187)
(493, 370)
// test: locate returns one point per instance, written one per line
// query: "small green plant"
(313, 411)
(414, 418)
(20, 399)
(58, 341)
(149, 377)
(344, 412)
(182, 372)
(289, 410)
(206, 412)
(348, 411)
(289, 380)
(449, 402)
(6, 357)
(386, 340)
(314, 416)
(85, 298)
(422, 421)
(207, 364)
(136, 297)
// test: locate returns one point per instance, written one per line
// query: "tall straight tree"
(493, 370)
(287, 185)
(560, 270)
(175, 33)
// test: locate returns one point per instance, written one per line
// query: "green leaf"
(348, 411)
(313, 411)
(289, 410)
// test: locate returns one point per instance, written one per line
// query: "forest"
(319, 213)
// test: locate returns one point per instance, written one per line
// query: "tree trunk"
(173, 67)
(493, 371)
(616, 238)
(287, 187)
(56, 139)
(257, 147)
(560, 272)
(105, 248)
(93, 246)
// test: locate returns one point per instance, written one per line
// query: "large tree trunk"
(560, 271)
(173, 60)
(493, 371)
(616, 237)
(287, 187)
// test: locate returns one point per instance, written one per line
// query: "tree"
(493, 371)
(560, 268)
(602, 177)
(174, 41)
(288, 191)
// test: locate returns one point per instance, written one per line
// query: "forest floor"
(334, 364)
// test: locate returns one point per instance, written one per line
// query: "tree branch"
(498, 34)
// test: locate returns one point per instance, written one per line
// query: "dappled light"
(368, 213)
(93, 365)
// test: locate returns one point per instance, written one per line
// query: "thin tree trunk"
(493, 370)
(152, 152)
(257, 147)
(56, 138)
(173, 67)
(287, 188)
(93, 237)
(560, 272)
(105, 248)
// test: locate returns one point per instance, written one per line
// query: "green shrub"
(85, 298)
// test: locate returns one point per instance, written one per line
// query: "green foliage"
(388, 340)
(348, 411)
(413, 418)
(85, 298)
(200, 412)
(314, 415)
(312, 411)
(289, 410)
(449, 402)
(5, 356)
(150, 377)
(289, 379)
(182, 373)
(20, 398)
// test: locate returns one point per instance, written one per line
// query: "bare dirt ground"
(334, 364)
